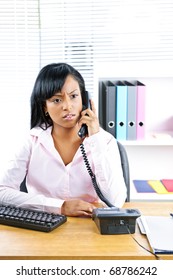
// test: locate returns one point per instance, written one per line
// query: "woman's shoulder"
(38, 131)
(106, 135)
(102, 136)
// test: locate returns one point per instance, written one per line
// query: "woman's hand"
(77, 208)
(89, 117)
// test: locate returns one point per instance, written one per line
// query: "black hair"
(50, 80)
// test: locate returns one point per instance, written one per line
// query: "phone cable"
(101, 196)
(93, 178)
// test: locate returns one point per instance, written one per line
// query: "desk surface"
(79, 238)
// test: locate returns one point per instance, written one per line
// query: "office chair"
(125, 168)
(23, 187)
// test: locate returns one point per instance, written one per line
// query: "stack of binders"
(122, 108)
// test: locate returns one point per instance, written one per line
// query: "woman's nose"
(66, 104)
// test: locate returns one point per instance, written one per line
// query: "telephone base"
(115, 220)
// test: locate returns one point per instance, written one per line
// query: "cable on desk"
(156, 256)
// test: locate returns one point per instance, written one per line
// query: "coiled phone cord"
(101, 196)
(93, 177)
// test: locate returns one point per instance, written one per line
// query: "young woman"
(57, 178)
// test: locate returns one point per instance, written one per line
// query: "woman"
(57, 179)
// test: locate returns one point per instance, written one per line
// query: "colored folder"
(131, 111)
(101, 105)
(158, 186)
(140, 110)
(168, 183)
(121, 110)
(142, 186)
(109, 105)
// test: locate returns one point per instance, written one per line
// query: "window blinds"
(83, 33)
(19, 44)
(94, 36)
(93, 33)
(19, 63)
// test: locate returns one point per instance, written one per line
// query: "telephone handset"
(86, 104)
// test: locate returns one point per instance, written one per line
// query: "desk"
(78, 239)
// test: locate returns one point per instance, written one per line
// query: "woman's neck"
(66, 142)
(64, 133)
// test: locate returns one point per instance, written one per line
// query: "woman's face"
(64, 108)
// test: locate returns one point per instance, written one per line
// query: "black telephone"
(86, 104)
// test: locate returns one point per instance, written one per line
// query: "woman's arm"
(12, 177)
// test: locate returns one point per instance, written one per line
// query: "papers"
(159, 231)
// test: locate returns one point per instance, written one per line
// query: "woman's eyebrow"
(72, 91)
(61, 93)
(58, 94)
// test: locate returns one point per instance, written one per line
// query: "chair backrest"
(125, 168)
(23, 187)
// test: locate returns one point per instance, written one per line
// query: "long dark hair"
(50, 80)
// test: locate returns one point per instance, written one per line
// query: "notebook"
(159, 232)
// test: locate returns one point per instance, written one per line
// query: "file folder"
(109, 105)
(140, 110)
(101, 106)
(168, 183)
(131, 111)
(142, 186)
(121, 110)
(158, 186)
(158, 230)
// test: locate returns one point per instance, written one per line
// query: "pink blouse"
(50, 182)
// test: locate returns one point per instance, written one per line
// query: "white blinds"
(19, 44)
(97, 34)
(86, 34)
(19, 63)
(93, 35)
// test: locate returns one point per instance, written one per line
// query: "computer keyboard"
(30, 219)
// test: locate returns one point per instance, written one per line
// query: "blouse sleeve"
(12, 177)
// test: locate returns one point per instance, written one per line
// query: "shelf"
(152, 139)
(150, 158)
(148, 143)
(135, 196)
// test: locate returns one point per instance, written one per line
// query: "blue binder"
(121, 110)
(131, 110)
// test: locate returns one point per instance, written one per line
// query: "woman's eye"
(74, 96)
(57, 100)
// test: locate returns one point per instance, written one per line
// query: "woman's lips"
(69, 116)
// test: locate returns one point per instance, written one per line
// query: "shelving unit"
(150, 162)
(152, 157)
